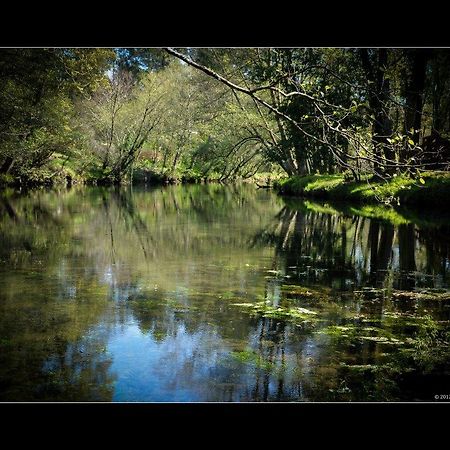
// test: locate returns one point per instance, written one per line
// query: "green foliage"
(118, 120)
(431, 344)
(37, 91)
(343, 112)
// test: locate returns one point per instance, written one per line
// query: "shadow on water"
(214, 293)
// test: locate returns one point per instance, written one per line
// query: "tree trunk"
(378, 102)
(418, 59)
(407, 260)
(7, 164)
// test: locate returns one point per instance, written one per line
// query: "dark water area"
(209, 293)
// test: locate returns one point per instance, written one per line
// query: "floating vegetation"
(429, 294)
(338, 331)
(294, 290)
(305, 311)
(360, 367)
(381, 335)
(397, 314)
(370, 290)
(381, 339)
(279, 312)
(370, 293)
(249, 356)
(425, 294)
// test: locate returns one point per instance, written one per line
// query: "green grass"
(430, 189)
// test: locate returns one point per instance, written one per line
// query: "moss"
(312, 184)
(398, 190)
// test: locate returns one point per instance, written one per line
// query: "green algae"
(279, 312)
(358, 333)
(250, 357)
(321, 293)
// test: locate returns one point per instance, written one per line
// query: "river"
(210, 293)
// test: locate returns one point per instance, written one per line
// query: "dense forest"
(116, 115)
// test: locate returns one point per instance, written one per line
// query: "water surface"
(217, 293)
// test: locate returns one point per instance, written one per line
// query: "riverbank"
(429, 189)
(61, 173)
(68, 177)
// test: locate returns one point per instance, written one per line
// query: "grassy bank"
(430, 189)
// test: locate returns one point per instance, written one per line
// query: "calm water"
(212, 293)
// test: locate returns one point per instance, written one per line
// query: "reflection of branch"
(138, 224)
(330, 121)
(10, 210)
(271, 236)
(106, 206)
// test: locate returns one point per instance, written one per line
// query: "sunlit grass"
(430, 188)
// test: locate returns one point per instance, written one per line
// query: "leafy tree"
(335, 109)
(118, 120)
(37, 88)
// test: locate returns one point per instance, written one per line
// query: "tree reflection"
(345, 251)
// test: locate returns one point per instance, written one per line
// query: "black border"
(318, 423)
(261, 26)
(225, 24)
